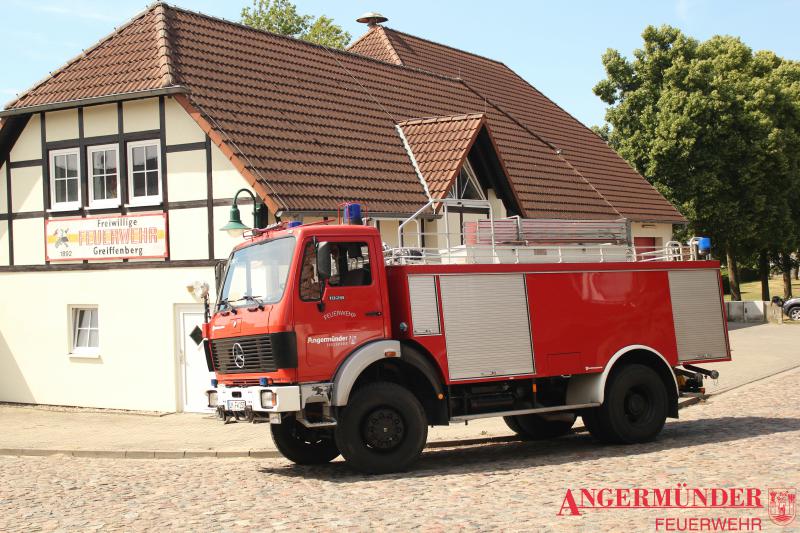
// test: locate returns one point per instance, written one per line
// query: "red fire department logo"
(782, 506)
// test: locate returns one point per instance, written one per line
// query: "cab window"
(350, 267)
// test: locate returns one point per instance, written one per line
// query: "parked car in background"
(791, 306)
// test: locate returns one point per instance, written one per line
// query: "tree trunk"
(763, 271)
(733, 277)
(786, 267)
(797, 270)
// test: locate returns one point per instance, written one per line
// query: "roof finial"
(371, 19)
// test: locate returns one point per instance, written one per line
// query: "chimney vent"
(371, 19)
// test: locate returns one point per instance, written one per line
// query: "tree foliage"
(714, 127)
(281, 16)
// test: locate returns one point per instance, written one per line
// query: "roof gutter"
(414, 164)
(119, 97)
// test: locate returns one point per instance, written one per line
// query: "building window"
(65, 180)
(144, 172)
(85, 331)
(466, 186)
(103, 176)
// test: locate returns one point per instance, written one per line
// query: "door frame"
(180, 377)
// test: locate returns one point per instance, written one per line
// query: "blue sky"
(554, 45)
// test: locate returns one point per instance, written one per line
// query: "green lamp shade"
(234, 227)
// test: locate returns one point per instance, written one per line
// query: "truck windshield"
(258, 273)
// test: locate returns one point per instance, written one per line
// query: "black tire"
(513, 425)
(634, 409)
(541, 427)
(383, 429)
(302, 445)
(794, 313)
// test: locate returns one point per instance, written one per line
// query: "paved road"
(744, 438)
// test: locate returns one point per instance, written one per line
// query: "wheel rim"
(383, 429)
(638, 405)
(795, 314)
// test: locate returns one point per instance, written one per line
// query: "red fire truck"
(349, 347)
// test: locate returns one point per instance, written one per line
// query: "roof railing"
(517, 240)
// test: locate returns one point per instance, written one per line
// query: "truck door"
(332, 322)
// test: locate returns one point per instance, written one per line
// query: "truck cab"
(295, 301)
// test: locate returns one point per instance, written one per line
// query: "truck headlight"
(268, 398)
(212, 398)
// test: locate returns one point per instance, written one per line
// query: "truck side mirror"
(219, 272)
(324, 260)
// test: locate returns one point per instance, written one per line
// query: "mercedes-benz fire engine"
(348, 347)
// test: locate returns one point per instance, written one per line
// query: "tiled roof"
(319, 125)
(439, 146)
(605, 170)
(313, 127)
(376, 44)
(134, 58)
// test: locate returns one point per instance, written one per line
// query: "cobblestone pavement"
(745, 438)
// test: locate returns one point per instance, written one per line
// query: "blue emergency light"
(352, 213)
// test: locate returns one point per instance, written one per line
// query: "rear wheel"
(634, 409)
(794, 313)
(383, 429)
(538, 427)
(302, 445)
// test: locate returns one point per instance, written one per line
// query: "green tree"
(281, 16)
(707, 124)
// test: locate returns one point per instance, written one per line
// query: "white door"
(196, 377)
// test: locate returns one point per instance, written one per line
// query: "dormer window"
(466, 186)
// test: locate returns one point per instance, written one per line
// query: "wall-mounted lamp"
(235, 227)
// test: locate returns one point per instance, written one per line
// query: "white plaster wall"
(29, 144)
(26, 189)
(389, 232)
(3, 190)
(662, 232)
(100, 120)
(28, 243)
(227, 179)
(188, 234)
(498, 208)
(187, 175)
(181, 128)
(137, 367)
(61, 125)
(140, 115)
(3, 243)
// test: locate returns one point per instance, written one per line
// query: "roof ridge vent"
(371, 19)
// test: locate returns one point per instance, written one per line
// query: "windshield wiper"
(255, 299)
(246, 298)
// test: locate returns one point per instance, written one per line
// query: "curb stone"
(273, 454)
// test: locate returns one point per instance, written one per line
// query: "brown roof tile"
(313, 127)
(439, 146)
(134, 58)
(605, 170)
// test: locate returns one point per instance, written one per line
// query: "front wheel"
(383, 429)
(794, 313)
(302, 445)
(634, 409)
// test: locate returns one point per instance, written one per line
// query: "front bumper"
(281, 399)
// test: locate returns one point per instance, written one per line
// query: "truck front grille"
(241, 355)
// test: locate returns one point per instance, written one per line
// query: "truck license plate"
(236, 405)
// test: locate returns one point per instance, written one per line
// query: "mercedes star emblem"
(238, 355)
